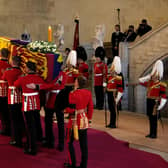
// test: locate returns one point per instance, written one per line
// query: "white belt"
(98, 74)
(12, 87)
(2, 81)
(30, 94)
(81, 111)
(55, 91)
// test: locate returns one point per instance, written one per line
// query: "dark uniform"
(14, 103)
(116, 38)
(62, 102)
(130, 36)
(114, 85)
(82, 101)
(31, 108)
(53, 89)
(155, 91)
(143, 29)
(5, 119)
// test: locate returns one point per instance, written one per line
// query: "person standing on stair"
(116, 38)
(143, 28)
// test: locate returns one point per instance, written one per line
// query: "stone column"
(123, 53)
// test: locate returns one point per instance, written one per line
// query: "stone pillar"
(123, 53)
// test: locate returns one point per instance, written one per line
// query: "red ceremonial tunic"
(3, 84)
(114, 84)
(83, 69)
(155, 89)
(11, 75)
(30, 97)
(72, 74)
(54, 88)
(82, 98)
(100, 73)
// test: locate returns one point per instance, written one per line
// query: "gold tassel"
(75, 129)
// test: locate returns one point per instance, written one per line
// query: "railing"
(147, 35)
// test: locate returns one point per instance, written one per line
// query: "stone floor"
(133, 127)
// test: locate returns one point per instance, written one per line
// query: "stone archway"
(164, 58)
(140, 92)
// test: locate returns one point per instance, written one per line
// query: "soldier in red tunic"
(62, 100)
(156, 96)
(14, 101)
(53, 88)
(114, 90)
(81, 58)
(81, 104)
(30, 106)
(100, 76)
(5, 119)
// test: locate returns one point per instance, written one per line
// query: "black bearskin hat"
(31, 66)
(5, 52)
(81, 53)
(100, 52)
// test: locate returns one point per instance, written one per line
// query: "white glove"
(104, 84)
(144, 79)
(60, 79)
(162, 103)
(119, 95)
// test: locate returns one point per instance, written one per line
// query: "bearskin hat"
(31, 65)
(81, 53)
(100, 52)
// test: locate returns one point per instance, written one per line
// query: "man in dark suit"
(143, 28)
(130, 35)
(116, 38)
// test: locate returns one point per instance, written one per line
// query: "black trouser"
(62, 101)
(5, 117)
(31, 130)
(49, 126)
(83, 146)
(16, 122)
(112, 108)
(38, 125)
(152, 118)
(99, 93)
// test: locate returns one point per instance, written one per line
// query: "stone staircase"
(137, 60)
(145, 51)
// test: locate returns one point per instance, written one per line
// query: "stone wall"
(36, 15)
